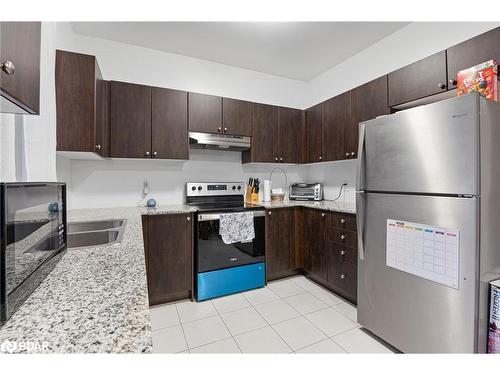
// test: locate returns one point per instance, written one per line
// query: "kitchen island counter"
(95, 300)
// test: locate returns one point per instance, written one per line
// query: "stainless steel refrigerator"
(428, 212)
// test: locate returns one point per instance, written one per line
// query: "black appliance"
(32, 238)
(220, 268)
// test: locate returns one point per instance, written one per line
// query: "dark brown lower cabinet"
(314, 254)
(321, 244)
(280, 243)
(341, 249)
(168, 246)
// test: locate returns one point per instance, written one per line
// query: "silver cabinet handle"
(188, 218)
(342, 221)
(225, 130)
(276, 159)
(342, 276)
(320, 157)
(147, 153)
(342, 252)
(98, 147)
(342, 236)
(323, 214)
(219, 129)
(155, 153)
(281, 159)
(441, 85)
(453, 82)
(360, 165)
(269, 213)
(353, 153)
(8, 67)
(360, 214)
(347, 154)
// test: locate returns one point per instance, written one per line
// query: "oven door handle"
(216, 216)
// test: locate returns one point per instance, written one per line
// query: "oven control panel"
(214, 188)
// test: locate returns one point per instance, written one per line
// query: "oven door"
(213, 254)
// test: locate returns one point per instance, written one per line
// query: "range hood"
(223, 142)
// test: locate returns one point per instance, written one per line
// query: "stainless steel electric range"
(220, 268)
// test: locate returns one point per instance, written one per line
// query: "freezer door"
(430, 149)
(410, 312)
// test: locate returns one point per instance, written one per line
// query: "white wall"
(125, 62)
(119, 183)
(28, 143)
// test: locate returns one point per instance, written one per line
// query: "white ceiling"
(296, 50)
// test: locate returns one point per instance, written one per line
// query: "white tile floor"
(294, 315)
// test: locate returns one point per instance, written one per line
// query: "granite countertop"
(338, 206)
(95, 300)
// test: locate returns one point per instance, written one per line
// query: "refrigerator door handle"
(360, 222)
(361, 160)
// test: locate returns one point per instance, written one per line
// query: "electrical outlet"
(145, 187)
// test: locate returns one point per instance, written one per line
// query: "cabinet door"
(314, 134)
(280, 242)
(474, 51)
(422, 78)
(20, 45)
(336, 120)
(264, 135)
(76, 100)
(205, 113)
(237, 117)
(130, 120)
(290, 135)
(314, 249)
(169, 124)
(168, 243)
(367, 102)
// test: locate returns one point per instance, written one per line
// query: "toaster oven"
(306, 192)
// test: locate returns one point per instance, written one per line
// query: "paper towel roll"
(267, 191)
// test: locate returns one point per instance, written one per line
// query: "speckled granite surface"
(338, 206)
(95, 300)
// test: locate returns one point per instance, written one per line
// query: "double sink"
(95, 233)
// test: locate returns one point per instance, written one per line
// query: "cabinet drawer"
(343, 237)
(343, 221)
(341, 254)
(344, 277)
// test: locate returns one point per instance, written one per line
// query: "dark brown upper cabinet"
(169, 256)
(169, 124)
(265, 144)
(130, 120)
(314, 134)
(367, 102)
(82, 104)
(290, 123)
(474, 51)
(148, 122)
(205, 113)
(422, 78)
(237, 117)
(336, 121)
(20, 67)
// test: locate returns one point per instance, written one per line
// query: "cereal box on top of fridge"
(494, 318)
(482, 78)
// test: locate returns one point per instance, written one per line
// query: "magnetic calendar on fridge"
(424, 250)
